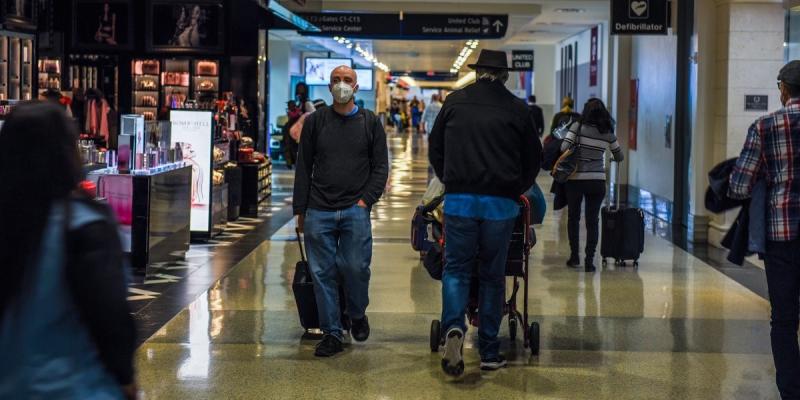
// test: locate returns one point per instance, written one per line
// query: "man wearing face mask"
(484, 147)
(341, 173)
(769, 153)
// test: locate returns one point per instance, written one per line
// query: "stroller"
(427, 235)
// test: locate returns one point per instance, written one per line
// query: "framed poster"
(102, 24)
(633, 115)
(186, 26)
(20, 13)
(194, 131)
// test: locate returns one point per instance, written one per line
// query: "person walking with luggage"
(594, 133)
(484, 148)
(341, 173)
(66, 331)
(767, 154)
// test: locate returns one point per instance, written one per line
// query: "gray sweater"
(593, 145)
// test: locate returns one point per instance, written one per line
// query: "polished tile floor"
(673, 329)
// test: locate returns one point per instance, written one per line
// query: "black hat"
(491, 59)
(790, 73)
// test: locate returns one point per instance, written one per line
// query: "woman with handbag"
(588, 140)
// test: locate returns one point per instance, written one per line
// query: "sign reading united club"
(639, 17)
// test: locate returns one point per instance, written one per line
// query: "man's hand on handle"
(301, 219)
(362, 204)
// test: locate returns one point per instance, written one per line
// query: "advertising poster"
(633, 116)
(102, 24)
(187, 25)
(194, 131)
(318, 70)
(365, 79)
(593, 64)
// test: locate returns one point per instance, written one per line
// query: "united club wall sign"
(639, 17)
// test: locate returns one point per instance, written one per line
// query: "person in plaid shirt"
(772, 152)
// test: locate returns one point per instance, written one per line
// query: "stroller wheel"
(512, 329)
(533, 338)
(436, 335)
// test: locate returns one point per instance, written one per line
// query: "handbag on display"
(207, 68)
(149, 67)
(567, 164)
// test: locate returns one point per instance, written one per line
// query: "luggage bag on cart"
(303, 289)
(622, 232)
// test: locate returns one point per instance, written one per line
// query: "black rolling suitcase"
(622, 232)
(303, 289)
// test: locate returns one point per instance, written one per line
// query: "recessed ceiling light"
(570, 10)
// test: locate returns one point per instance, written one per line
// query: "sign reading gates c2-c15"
(639, 17)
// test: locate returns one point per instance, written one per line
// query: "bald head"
(345, 74)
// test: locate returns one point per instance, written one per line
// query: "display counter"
(256, 186)
(153, 209)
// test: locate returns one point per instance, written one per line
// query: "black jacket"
(484, 141)
(341, 160)
(538, 118)
(747, 235)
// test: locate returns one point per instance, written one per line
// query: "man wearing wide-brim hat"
(769, 153)
(484, 147)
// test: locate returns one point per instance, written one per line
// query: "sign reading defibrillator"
(639, 17)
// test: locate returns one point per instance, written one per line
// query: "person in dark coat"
(66, 331)
(485, 150)
(538, 115)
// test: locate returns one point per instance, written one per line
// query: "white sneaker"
(453, 359)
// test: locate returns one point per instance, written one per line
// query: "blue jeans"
(339, 246)
(469, 240)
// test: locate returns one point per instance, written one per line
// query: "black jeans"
(783, 279)
(594, 192)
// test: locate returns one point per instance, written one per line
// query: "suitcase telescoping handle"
(300, 243)
(617, 185)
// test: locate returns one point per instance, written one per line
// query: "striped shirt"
(593, 146)
(771, 152)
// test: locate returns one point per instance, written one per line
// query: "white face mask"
(342, 92)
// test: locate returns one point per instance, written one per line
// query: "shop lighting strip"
(466, 51)
(364, 53)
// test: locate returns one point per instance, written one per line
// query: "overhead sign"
(639, 17)
(522, 60)
(444, 26)
(755, 102)
(410, 27)
(354, 25)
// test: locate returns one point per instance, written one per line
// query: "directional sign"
(444, 26)
(354, 25)
(411, 27)
(522, 60)
(639, 17)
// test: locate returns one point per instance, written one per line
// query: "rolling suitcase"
(622, 232)
(303, 289)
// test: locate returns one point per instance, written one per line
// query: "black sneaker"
(453, 359)
(329, 346)
(574, 262)
(494, 363)
(360, 329)
(589, 265)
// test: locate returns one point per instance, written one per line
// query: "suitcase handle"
(616, 186)
(300, 243)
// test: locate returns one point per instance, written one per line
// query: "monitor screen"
(318, 70)
(365, 79)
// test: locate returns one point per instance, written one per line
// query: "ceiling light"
(570, 10)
